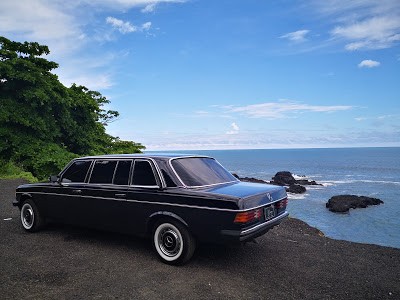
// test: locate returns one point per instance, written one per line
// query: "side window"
(103, 171)
(121, 176)
(168, 179)
(77, 171)
(143, 174)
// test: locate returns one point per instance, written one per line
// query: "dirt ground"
(292, 261)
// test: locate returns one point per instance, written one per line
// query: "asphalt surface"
(292, 261)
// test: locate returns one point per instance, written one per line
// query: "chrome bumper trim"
(265, 224)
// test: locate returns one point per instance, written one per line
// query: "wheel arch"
(162, 215)
(23, 198)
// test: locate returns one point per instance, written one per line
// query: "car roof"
(166, 156)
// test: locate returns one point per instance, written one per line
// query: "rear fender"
(162, 214)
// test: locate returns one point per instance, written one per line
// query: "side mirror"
(53, 178)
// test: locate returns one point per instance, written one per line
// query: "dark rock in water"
(286, 178)
(249, 179)
(343, 203)
(307, 182)
(296, 189)
(283, 178)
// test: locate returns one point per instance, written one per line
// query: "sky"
(228, 74)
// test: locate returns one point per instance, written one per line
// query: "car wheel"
(30, 217)
(173, 242)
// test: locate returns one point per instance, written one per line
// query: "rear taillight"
(249, 216)
(281, 204)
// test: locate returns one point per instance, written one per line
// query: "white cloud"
(373, 33)
(362, 24)
(296, 36)
(126, 4)
(146, 26)
(359, 119)
(234, 129)
(93, 81)
(270, 139)
(283, 109)
(369, 64)
(127, 27)
(121, 26)
(66, 28)
(42, 21)
(149, 8)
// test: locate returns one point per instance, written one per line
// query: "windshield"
(200, 171)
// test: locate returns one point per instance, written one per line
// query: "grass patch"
(9, 170)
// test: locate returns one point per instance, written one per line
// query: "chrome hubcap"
(169, 242)
(27, 216)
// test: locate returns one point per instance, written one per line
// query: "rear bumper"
(253, 232)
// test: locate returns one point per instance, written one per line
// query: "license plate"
(269, 212)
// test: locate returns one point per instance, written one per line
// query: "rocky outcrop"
(296, 189)
(307, 182)
(283, 178)
(286, 178)
(249, 179)
(343, 203)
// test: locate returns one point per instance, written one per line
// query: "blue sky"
(228, 74)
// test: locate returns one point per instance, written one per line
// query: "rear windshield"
(200, 171)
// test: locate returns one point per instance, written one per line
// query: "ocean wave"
(314, 187)
(296, 196)
(300, 177)
(336, 182)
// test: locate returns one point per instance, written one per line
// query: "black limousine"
(177, 200)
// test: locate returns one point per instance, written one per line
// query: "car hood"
(250, 194)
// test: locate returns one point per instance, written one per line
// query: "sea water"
(373, 172)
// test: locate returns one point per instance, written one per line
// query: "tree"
(43, 124)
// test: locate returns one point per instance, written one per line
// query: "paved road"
(289, 262)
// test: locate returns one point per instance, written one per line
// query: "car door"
(62, 203)
(104, 197)
(143, 195)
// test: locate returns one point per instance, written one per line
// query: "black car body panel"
(130, 200)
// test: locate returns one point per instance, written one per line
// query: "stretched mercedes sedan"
(177, 200)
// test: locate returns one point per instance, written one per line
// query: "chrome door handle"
(76, 191)
(120, 195)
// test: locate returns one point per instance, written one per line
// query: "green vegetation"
(44, 124)
(9, 170)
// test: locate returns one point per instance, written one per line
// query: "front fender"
(21, 197)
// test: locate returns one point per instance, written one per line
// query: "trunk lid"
(250, 194)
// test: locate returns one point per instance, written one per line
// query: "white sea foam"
(292, 196)
(314, 187)
(299, 177)
(325, 184)
(336, 182)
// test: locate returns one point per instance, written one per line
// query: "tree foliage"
(44, 124)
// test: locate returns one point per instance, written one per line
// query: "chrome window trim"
(160, 176)
(92, 167)
(197, 186)
(61, 174)
(161, 203)
(115, 170)
(154, 169)
(129, 175)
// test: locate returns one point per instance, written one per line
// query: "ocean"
(373, 172)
